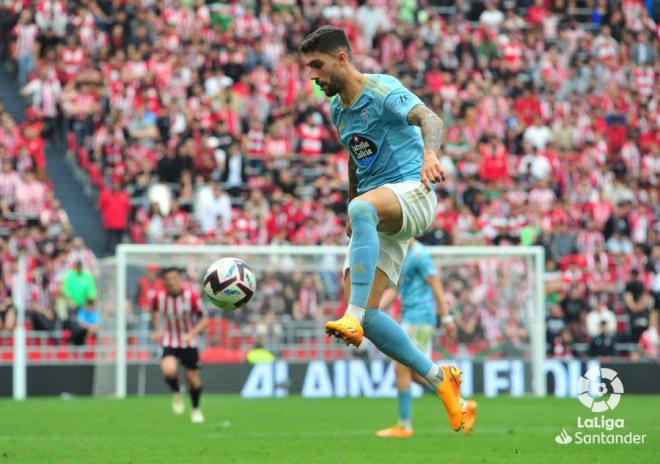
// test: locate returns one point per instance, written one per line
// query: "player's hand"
(349, 231)
(431, 170)
(450, 329)
(156, 336)
(187, 337)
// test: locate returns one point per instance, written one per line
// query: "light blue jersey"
(374, 128)
(418, 302)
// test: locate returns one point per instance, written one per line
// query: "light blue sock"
(389, 337)
(363, 252)
(405, 406)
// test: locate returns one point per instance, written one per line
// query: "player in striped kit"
(177, 318)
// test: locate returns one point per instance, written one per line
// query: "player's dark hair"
(326, 39)
(169, 269)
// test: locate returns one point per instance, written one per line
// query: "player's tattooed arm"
(432, 127)
(431, 124)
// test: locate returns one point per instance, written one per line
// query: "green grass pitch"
(296, 430)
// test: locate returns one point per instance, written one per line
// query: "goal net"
(495, 293)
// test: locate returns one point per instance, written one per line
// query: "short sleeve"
(196, 302)
(426, 266)
(400, 101)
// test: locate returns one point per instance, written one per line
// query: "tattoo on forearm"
(431, 124)
(352, 178)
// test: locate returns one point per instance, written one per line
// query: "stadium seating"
(552, 120)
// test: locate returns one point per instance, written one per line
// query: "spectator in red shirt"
(114, 205)
(537, 13)
(36, 146)
(616, 134)
(494, 161)
(311, 134)
(527, 106)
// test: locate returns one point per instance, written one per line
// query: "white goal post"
(307, 258)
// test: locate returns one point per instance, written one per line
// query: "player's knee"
(168, 369)
(360, 210)
(195, 381)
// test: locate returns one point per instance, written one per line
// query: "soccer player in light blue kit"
(422, 301)
(393, 141)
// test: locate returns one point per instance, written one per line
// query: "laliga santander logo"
(586, 385)
(563, 438)
(593, 386)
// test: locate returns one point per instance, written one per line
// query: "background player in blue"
(422, 301)
(393, 141)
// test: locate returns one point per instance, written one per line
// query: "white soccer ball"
(229, 283)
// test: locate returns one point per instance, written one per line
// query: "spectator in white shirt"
(491, 16)
(45, 91)
(538, 134)
(155, 229)
(371, 19)
(213, 204)
(535, 163)
(339, 11)
(216, 83)
(512, 22)
(605, 47)
(598, 315)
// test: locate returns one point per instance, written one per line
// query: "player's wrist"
(447, 319)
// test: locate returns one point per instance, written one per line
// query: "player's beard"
(330, 88)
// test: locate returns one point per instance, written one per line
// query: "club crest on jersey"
(364, 114)
(364, 150)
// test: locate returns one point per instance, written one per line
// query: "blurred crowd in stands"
(60, 289)
(194, 122)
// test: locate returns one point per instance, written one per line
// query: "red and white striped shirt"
(178, 316)
(513, 56)
(643, 79)
(26, 34)
(71, 60)
(542, 199)
(276, 147)
(311, 140)
(31, 198)
(9, 182)
(255, 137)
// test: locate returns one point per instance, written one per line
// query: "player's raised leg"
(390, 338)
(380, 210)
(376, 210)
(195, 383)
(168, 366)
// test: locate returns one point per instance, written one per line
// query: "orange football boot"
(395, 431)
(347, 328)
(469, 416)
(449, 392)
